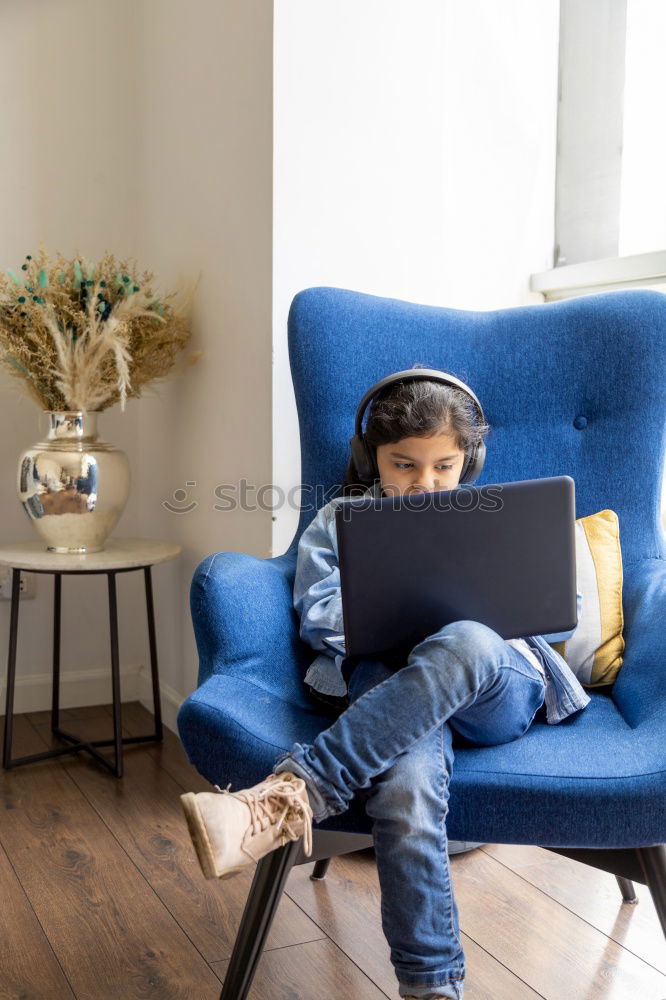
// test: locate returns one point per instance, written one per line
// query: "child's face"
(419, 464)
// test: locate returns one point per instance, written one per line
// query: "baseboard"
(32, 693)
(170, 698)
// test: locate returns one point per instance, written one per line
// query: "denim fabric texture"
(395, 744)
(598, 777)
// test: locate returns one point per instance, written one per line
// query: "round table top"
(118, 553)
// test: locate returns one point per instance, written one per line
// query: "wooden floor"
(101, 899)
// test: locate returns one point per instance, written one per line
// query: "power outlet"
(28, 586)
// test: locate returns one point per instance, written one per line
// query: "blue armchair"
(577, 388)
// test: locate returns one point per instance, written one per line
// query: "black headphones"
(362, 454)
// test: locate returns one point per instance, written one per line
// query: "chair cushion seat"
(591, 780)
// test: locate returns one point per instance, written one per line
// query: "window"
(610, 200)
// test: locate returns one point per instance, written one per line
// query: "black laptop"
(502, 554)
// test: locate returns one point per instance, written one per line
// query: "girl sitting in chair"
(392, 738)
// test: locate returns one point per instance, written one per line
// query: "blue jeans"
(394, 741)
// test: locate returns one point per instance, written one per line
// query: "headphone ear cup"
(467, 465)
(481, 458)
(362, 459)
(370, 463)
(473, 464)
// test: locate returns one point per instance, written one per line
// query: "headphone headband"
(411, 375)
(362, 455)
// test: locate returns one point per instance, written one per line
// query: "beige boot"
(231, 831)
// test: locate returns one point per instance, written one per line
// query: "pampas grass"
(78, 335)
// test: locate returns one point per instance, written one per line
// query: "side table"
(121, 555)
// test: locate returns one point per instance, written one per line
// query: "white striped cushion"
(594, 651)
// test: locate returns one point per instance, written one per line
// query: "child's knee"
(469, 640)
(415, 784)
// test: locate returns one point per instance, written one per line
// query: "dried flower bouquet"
(83, 336)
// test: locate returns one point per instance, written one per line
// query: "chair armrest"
(245, 623)
(640, 688)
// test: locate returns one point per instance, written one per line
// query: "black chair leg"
(265, 892)
(653, 863)
(320, 869)
(627, 890)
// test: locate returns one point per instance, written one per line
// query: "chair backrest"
(575, 387)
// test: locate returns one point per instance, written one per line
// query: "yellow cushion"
(594, 651)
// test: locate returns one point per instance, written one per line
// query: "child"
(392, 740)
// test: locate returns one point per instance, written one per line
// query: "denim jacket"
(318, 601)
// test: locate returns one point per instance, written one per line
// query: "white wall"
(67, 165)
(204, 92)
(145, 128)
(414, 158)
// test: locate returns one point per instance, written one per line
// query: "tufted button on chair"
(575, 387)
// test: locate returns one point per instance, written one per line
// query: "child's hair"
(417, 408)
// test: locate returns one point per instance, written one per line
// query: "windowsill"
(637, 271)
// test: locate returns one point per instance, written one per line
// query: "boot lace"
(279, 799)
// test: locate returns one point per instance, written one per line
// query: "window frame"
(589, 159)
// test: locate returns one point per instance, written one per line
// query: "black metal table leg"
(74, 743)
(55, 697)
(115, 674)
(150, 610)
(11, 669)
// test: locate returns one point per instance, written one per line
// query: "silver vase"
(72, 485)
